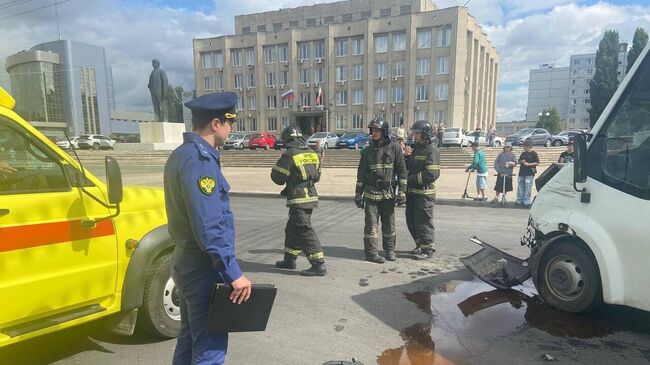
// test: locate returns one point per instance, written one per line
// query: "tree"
(605, 81)
(638, 44)
(174, 104)
(550, 120)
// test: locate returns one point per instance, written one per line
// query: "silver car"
(326, 139)
(237, 141)
(563, 138)
(95, 141)
(539, 137)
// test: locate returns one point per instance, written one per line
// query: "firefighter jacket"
(381, 170)
(423, 169)
(299, 168)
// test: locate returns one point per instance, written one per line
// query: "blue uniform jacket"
(198, 205)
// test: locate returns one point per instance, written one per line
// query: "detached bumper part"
(496, 267)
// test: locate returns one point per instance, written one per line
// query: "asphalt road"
(405, 312)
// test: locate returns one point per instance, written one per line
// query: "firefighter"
(423, 171)
(299, 169)
(381, 170)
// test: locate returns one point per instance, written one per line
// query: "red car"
(263, 140)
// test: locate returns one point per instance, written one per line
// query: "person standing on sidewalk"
(299, 169)
(492, 133)
(480, 166)
(201, 225)
(381, 162)
(423, 171)
(504, 164)
(528, 161)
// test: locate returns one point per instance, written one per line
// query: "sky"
(527, 33)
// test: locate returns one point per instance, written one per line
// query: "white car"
(65, 144)
(456, 137)
(327, 139)
(95, 141)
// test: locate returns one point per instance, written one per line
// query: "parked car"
(565, 137)
(539, 137)
(95, 141)
(456, 137)
(327, 139)
(237, 141)
(65, 144)
(279, 144)
(352, 140)
(264, 140)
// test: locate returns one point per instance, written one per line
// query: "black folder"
(253, 315)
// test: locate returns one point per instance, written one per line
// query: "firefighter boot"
(289, 262)
(317, 269)
(391, 256)
(376, 259)
(424, 255)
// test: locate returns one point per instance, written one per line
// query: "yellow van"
(75, 249)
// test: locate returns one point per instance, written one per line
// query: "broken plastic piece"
(496, 267)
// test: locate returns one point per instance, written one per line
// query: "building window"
(397, 116)
(236, 58)
(575, 72)
(357, 46)
(283, 51)
(271, 102)
(284, 77)
(574, 101)
(442, 92)
(366, 14)
(318, 75)
(219, 82)
(238, 82)
(341, 73)
(261, 28)
(303, 51)
(270, 78)
(444, 37)
(305, 99)
(277, 26)
(381, 70)
(304, 76)
(573, 91)
(250, 57)
(381, 43)
(384, 12)
(573, 82)
(218, 59)
(252, 102)
(380, 95)
(253, 125)
(285, 122)
(576, 62)
(246, 30)
(587, 101)
(311, 22)
(589, 61)
(357, 121)
(286, 103)
(240, 104)
(399, 42)
(347, 18)
(207, 83)
(341, 47)
(440, 116)
(398, 69)
(207, 60)
(357, 72)
(269, 54)
(329, 19)
(341, 122)
(405, 9)
(422, 93)
(398, 94)
(586, 91)
(342, 97)
(424, 38)
(590, 71)
(442, 65)
(272, 124)
(357, 97)
(319, 49)
(251, 80)
(421, 115)
(423, 67)
(294, 24)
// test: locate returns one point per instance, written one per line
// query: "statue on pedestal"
(158, 86)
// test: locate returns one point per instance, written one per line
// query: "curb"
(447, 202)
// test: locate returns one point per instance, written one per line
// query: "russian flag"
(288, 95)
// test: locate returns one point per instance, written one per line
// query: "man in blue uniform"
(201, 224)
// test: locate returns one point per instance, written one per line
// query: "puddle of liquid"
(468, 316)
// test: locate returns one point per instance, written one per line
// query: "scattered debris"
(548, 357)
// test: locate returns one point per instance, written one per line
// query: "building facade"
(63, 85)
(341, 64)
(569, 91)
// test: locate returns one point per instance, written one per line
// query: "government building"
(333, 67)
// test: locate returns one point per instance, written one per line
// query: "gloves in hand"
(358, 200)
(401, 199)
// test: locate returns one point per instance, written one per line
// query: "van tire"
(569, 279)
(95, 146)
(152, 316)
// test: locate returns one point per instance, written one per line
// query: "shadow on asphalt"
(248, 266)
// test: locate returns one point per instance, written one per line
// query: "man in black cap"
(381, 169)
(202, 226)
(299, 169)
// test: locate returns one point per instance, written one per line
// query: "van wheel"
(95, 146)
(266, 147)
(568, 278)
(240, 147)
(160, 314)
(557, 143)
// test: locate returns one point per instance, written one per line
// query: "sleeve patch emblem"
(207, 185)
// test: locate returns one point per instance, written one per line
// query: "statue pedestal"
(156, 136)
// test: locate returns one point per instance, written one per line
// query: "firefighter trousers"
(376, 210)
(299, 236)
(419, 219)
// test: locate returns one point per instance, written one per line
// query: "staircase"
(451, 157)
